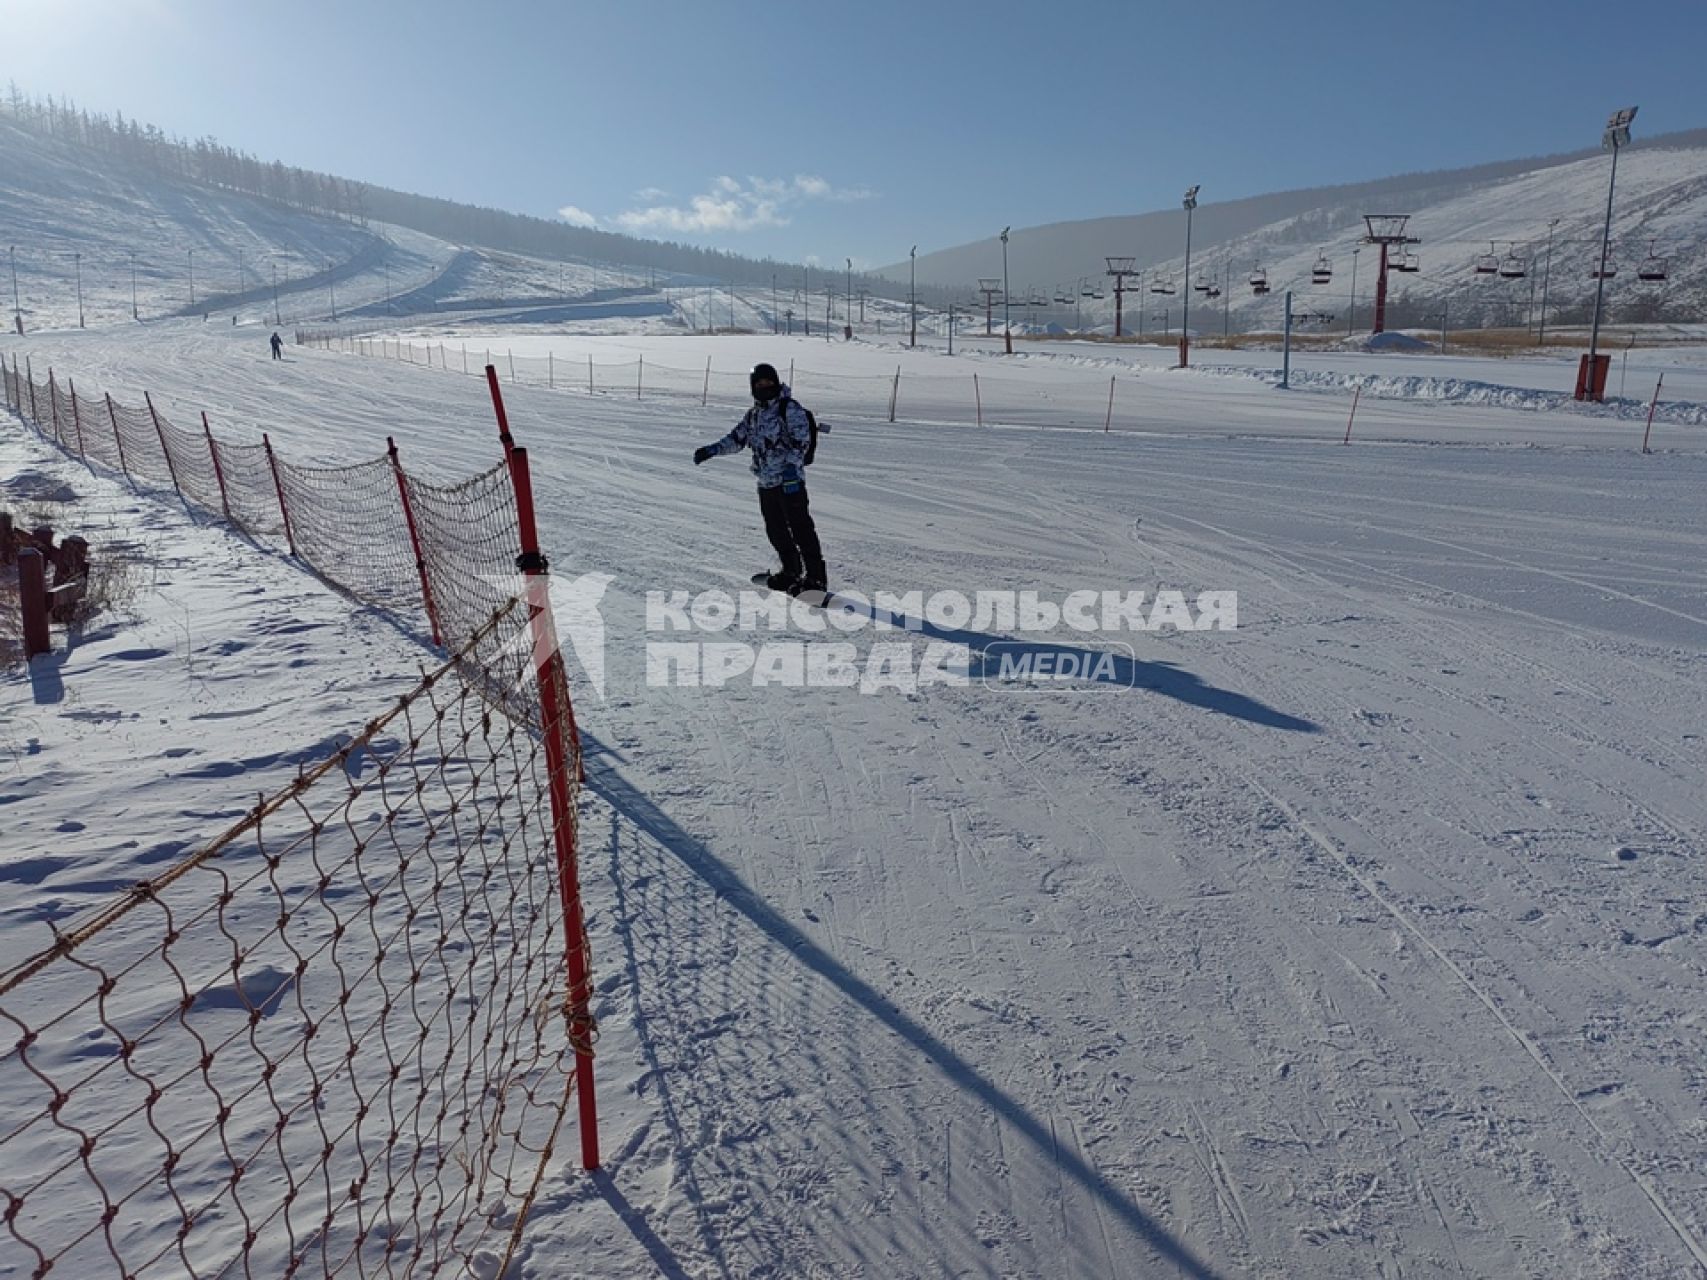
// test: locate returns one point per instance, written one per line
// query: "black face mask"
(765, 392)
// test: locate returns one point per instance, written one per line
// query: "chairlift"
(1323, 271)
(1608, 272)
(1488, 263)
(1259, 279)
(1203, 285)
(1409, 263)
(1088, 292)
(1260, 290)
(1161, 284)
(1214, 291)
(1061, 299)
(1653, 268)
(1513, 267)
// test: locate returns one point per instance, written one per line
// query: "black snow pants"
(788, 524)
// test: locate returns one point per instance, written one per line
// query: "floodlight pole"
(1546, 279)
(1007, 327)
(1190, 204)
(913, 295)
(1612, 140)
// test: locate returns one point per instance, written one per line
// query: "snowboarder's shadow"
(1113, 669)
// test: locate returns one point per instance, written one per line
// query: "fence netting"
(334, 1040)
(350, 524)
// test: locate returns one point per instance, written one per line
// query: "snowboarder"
(778, 430)
(278, 347)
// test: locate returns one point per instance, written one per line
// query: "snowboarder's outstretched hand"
(702, 453)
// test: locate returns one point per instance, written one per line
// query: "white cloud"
(734, 205)
(651, 195)
(577, 217)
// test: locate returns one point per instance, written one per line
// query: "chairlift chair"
(1259, 278)
(1513, 268)
(1606, 273)
(1260, 290)
(1097, 294)
(1214, 291)
(1653, 268)
(1323, 271)
(1488, 263)
(1162, 284)
(1203, 284)
(1061, 299)
(1087, 292)
(1409, 263)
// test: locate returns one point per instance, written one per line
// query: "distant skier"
(778, 430)
(278, 347)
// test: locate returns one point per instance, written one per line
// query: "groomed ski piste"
(1364, 939)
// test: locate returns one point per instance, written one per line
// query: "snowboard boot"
(783, 580)
(816, 578)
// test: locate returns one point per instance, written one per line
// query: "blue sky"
(823, 131)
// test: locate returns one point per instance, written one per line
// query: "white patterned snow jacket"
(778, 444)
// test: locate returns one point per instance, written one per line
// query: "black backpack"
(811, 421)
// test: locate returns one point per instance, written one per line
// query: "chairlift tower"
(1386, 230)
(1120, 269)
(989, 288)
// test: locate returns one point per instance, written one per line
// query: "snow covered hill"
(1508, 210)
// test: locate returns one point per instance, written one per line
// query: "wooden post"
(894, 393)
(32, 598)
(35, 414)
(978, 399)
(1354, 397)
(76, 418)
(414, 540)
(590, 388)
(640, 378)
(278, 486)
(1652, 405)
(550, 371)
(171, 470)
(113, 417)
(1109, 420)
(218, 471)
(705, 392)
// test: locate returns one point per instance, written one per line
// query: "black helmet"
(764, 381)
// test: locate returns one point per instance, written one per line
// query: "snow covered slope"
(1362, 940)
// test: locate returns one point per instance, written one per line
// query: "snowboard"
(817, 599)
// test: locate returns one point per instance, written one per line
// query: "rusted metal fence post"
(218, 471)
(171, 468)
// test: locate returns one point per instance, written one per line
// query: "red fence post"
(218, 471)
(562, 746)
(160, 431)
(414, 540)
(278, 486)
(498, 408)
(113, 417)
(32, 596)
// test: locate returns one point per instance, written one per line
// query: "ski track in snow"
(1365, 940)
